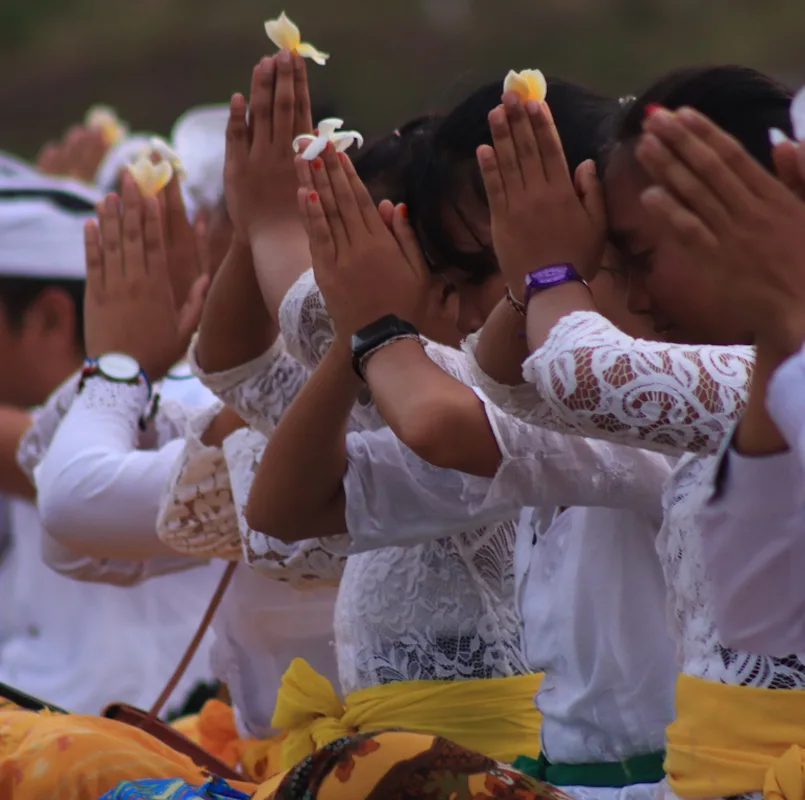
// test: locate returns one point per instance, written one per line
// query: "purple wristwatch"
(547, 277)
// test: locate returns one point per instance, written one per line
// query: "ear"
(54, 314)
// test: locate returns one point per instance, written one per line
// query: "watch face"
(549, 276)
(118, 367)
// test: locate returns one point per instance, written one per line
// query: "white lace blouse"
(602, 383)
(401, 614)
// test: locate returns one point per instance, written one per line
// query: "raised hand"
(259, 176)
(363, 270)
(538, 216)
(741, 222)
(129, 303)
(77, 155)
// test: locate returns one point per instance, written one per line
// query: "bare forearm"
(757, 435)
(281, 254)
(502, 346)
(546, 308)
(436, 416)
(236, 326)
(13, 424)
(297, 492)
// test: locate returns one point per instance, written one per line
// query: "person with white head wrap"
(54, 627)
(13, 167)
(199, 138)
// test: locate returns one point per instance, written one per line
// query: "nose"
(638, 300)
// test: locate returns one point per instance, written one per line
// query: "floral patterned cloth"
(395, 765)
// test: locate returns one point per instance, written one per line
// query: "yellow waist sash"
(495, 716)
(729, 740)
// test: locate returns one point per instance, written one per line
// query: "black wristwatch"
(376, 335)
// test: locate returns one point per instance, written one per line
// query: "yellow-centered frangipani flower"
(150, 178)
(530, 84)
(329, 131)
(166, 153)
(286, 36)
(104, 119)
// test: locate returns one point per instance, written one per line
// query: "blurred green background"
(151, 59)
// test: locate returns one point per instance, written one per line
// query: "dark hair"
(583, 119)
(384, 165)
(742, 101)
(18, 294)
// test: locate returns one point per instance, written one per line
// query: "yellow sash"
(729, 740)
(496, 716)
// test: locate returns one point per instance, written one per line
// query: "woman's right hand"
(259, 174)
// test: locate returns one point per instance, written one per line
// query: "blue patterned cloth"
(175, 789)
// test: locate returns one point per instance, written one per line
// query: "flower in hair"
(530, 84)
(329, 131)
(150, 178)
(105, 120)
(159, 147)
(286, 36)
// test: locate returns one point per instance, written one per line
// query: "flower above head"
(286, 36)
(329, 131)
(530, 84)
(161, 148)
(150, 178)
(105, 120)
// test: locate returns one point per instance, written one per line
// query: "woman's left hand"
(741, 221)
(539, 217)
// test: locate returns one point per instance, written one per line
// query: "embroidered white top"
(97, 453)
(589, 585)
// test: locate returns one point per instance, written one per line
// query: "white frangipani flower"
(165, 152)
(105, 119)
(329, 131)
(530, 84)
(286, 36)
(150, 178)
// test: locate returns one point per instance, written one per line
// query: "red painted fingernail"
(317, 163)
(313, 197)
(403, 210)
(652, 108)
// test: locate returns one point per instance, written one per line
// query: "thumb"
(591, 194)
(190, 312)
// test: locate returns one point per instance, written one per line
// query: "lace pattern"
(670, 398)
(197, 515)
(260, 390)
(301, 564)
(439, 611)
(46, 420)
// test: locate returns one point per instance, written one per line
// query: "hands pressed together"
(147, 272)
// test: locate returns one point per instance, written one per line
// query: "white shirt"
(754, 531)
(589, 586)
(92, 471)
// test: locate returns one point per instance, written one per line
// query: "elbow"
(266, 517)
(430, 433)
(60, 513)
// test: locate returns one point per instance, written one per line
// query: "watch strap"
(548, 277)
(378, 334)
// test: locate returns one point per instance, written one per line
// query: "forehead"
(624, 182)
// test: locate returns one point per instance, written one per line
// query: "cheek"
(677, 284)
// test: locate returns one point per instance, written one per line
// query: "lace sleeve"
(46, 420)
(260, 390)
(303, 564)
(197, 514)
(669, 397)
